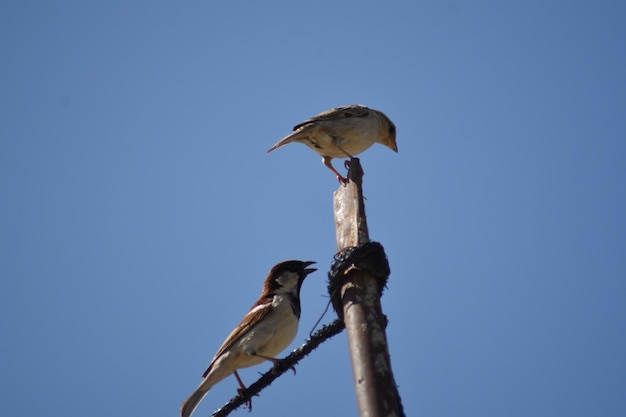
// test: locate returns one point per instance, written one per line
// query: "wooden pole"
(374, 384)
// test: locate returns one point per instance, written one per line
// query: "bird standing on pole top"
(343, 132)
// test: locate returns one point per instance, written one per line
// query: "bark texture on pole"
(360, 292)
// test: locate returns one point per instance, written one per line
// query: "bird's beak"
(307, 271)
(393, 145)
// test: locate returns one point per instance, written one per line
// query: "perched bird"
(343, 132)
(268, 328)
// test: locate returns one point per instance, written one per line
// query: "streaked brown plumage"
(343, 132)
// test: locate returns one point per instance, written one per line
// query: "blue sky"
(141, 213)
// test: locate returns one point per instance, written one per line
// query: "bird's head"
(388, 132)
(287, 277)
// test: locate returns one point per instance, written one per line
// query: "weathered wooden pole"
(374, 384)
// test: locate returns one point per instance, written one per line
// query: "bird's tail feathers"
(192, 402)
(283, 141)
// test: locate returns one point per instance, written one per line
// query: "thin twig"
(281, 367)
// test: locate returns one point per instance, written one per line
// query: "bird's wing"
(259, 311)
(338, 113)
(354, 110)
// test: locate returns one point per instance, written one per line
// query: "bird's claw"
(340, 178)
(248, 404)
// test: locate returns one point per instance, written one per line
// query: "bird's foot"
(242, 391)
(276, 362)
(248, 404)
(348, 165)
(343, 180)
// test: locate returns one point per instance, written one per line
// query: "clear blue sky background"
(140, 212)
